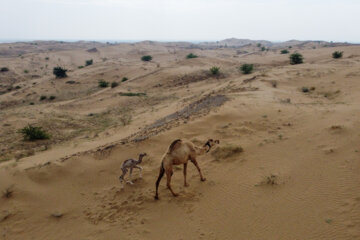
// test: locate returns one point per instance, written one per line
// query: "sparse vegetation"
(191, 55)
(215, 70)
(114, 84)
(124, 79)
(43, 97)
(337, 54)
(296, 58)
(60, 72)
(284, 51)
(4, 69)
(47, 58)
(79, 67)
(247, 68)
(131, 94)
(263, 49)
(52, 97)
(8, 192)
(226, 152)
(70, 82)
(89, 62)
(146, 58)
(103, 84)
(258, 45)
(33, 133)
(26, 71)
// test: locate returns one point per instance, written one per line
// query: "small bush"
(31, 103)
(124, 79)
(296, 58)
(42, 98)
(60, 72)
(263, 49)
(52, 97)
(47, 58)
(79, 67)
(190, 55)
(247, 68)
(26, 71)
(215, 70)
(17, 87)
(33, 133)
(88, 62)
(103, 84)
(131, 94)
(258, 45)
(114, 84)
(4, 69)
(146, 58)
(290, 47)
(285, 51)
(337, 54)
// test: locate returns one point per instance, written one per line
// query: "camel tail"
(161, 174)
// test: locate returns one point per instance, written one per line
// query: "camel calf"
(180, 152)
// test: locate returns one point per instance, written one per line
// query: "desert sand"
(287, 166)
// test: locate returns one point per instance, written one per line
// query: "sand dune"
(287, 166)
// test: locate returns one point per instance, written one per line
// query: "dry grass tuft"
(226, 152)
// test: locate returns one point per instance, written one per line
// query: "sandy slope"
(298, 177)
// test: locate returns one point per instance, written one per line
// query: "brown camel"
(180, 152)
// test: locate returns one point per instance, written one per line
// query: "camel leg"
(121, 178)
(140, 168)
(130, 181)
(193, 160)
(185, 183)
(169, 173)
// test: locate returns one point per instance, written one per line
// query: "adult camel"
(180, 152)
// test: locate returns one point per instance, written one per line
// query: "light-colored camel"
(180, 152)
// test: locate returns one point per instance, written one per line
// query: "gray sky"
(276, 20)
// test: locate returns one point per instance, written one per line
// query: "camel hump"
(173, 144)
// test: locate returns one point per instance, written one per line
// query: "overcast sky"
(196, 20)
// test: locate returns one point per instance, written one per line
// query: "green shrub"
(124, 79)
(263, 49)
(214, 70)
(247, 68)
(31, 103)
(337, 54)
(88, 62)
(131, 94)
(26, 71)
(290, 46)
(47, 58)
(42, 98)
(17, 87)
(79, 67)
(103, 84)
(4, 69)
(52, 97)
(114, 84)
(146, 58)
(60, 72)
(190, 55)
(258, 45)
(33, 133)
(285, 51)
(296, 58)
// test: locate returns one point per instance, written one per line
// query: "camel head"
(142, 154)
(210, 143)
